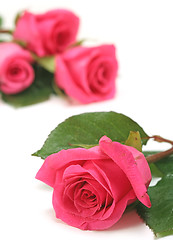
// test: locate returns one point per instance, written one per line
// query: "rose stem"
(161, 139)
(158, 156)
(5, 31)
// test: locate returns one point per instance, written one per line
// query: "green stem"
(158, 156)
(57, 89)
(161, 139)
(6, 31)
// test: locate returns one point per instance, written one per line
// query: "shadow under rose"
(128, 220)
(51, 215)
(44, 187)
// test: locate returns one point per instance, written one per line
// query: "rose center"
(88, 196)
(99, 75)
(62, 38)
(17, 74)
(18, 71)
(15, 71)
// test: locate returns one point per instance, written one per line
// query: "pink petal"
(89, 223)
(115, 177)
(76, 84)
(60, 160)
(125, 160)
(142, 165)
(65, 80)
(117, 213)
(27, 30)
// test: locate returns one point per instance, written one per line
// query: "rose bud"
(87, 74)
(48, 33)
(16, 72)
(92, 187)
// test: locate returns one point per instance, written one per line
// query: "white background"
(143, 34)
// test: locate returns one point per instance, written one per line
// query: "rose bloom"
(87, 74)
(16, 72)
(92, 187)
(48, 33)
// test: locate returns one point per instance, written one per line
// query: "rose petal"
(62, 201)
(59, 161)
(77, 84)
(11, 51)
(101, 75)
(90, 176)
(125, 160)
(142, 165)
(15, 58)
(118, 182)
(90, 223)
(27, 30)
(65, 81)
(39, 30)
(58, 24)
(117, 212)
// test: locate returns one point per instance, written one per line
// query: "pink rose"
(48, 33)
(16, 72)
(87, 74)
(92, 187)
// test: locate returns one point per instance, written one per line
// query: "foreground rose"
(16, 73)
(92, 187)
(48, 33)
(87, 74)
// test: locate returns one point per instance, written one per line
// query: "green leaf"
(18, 15)
(155, 172)
(19, 42)
(1, 21)
(78, 43)
(165, 165)
(160, 216)
(134, 140)
(162, 167)
(39, 91)
(46, 62)
(58, 91)
(87, 129)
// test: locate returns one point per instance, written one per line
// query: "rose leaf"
(162, 167)
(17, 17)
(86, 129)
(1, 21)
(39, 91)
(46, 62)
(134, 140)
(159, 217)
